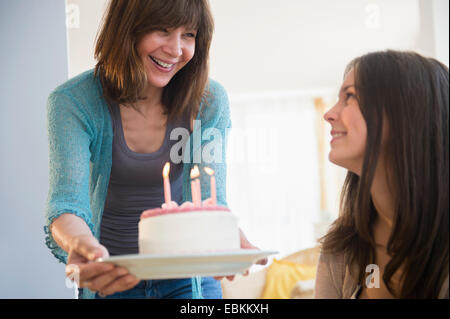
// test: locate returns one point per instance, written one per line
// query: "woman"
(109, 136)
(390, 130)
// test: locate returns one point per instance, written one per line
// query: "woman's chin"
(333, 158)
(345, 162)
(158, 83)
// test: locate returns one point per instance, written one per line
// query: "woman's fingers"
(100, 282)
(231, 278)
(84, 272)
(262, 261)
(85, 249)
(92, 270)
(120, 284)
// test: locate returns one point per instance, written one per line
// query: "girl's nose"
(331, 115)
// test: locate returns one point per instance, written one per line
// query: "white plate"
(188, 265)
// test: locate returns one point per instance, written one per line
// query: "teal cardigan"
(80, 137)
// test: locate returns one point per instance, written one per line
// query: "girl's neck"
(382, 196)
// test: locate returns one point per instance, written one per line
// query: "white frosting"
(188, 232)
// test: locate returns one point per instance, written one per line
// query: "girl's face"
(165, 52)
(348, 128)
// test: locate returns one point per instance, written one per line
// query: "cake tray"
(188, 265)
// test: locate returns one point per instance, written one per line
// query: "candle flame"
(166, 170)
(209, 171)
(195, 172)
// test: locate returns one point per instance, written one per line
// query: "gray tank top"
(135, 185)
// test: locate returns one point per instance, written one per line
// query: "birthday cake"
(188, 229)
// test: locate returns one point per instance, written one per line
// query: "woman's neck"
(151, 103)
(382, 196)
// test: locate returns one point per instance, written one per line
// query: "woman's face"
(165, 52)
(348, 128)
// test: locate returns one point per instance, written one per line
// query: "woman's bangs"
(174, 14)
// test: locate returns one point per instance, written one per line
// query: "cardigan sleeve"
(326, 286)
(212, 128)
(69, 137)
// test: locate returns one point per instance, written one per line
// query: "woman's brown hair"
(410, 95)
(120, 68)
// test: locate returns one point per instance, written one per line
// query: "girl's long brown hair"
(410, 95)
(120, 68)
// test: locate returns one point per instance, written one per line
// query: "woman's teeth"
(338, 134)
(161, 63)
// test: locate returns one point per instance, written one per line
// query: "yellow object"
(282, 276)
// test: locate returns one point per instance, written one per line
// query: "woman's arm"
(70, 135)
(69, 227)
(325, 287)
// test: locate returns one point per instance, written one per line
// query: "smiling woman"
(137, 33)
(110, 136)
(390, 130)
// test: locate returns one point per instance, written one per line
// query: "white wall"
(260, 46)
(441, 29)
(83, 17)
(264, 45)
(33, 61)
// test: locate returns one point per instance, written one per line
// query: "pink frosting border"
(160, 211)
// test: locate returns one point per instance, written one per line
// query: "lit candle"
(195, 187)
(210, 172)
(167, 194)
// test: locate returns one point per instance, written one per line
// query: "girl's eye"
(348, 96)
(191, 35)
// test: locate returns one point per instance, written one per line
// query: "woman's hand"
(104, 278)
(245, 244)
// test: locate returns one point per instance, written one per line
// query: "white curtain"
(274, 169)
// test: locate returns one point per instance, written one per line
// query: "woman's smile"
(337, 135)
(161, 65)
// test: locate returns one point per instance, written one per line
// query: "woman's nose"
(174, 46)
(331, 115)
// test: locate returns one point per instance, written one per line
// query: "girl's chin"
(345, 162)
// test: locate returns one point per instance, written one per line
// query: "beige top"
(333, 280)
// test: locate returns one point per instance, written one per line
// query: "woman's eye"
(191, 35)
(348, 96)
